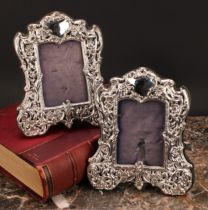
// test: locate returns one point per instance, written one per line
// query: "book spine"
(66, 170)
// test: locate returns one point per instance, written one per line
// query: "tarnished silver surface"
(34, 118)
(175, 177)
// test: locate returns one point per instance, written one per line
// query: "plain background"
(170, 37)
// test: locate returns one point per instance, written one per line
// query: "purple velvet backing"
(63, 77)
(140, 132)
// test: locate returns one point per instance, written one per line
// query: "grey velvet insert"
(63, 77)
(140, 132)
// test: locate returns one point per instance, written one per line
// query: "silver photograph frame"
(34, 118)
(175, 176)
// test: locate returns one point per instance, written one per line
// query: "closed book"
(49, 164)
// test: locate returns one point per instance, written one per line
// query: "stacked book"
(49, 164)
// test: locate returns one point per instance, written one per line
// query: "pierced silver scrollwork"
(175, 176)
(33, 117)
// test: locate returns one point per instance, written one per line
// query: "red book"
(49, 164)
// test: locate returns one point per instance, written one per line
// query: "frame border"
(175, 177)
(34, 118)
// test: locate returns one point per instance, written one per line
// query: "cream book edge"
(21, 170)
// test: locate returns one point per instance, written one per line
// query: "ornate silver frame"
(33, 117)
(175, 177)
